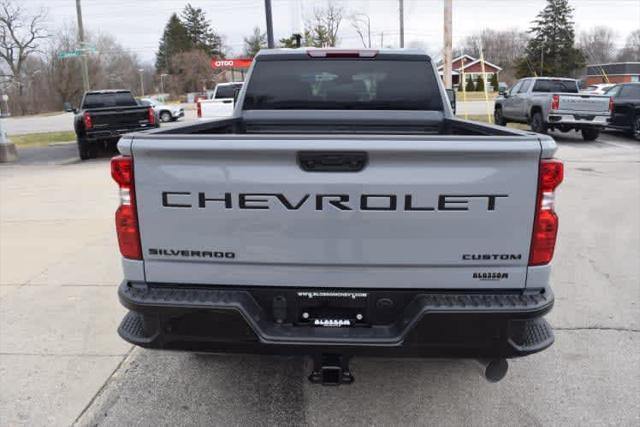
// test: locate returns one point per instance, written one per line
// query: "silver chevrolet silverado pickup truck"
(342, 211)
(548, 103)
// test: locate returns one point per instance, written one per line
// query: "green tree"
(256, 41)
(470, 86)
(480, 84)
(291, 42)
(174, 40)
(494, 82)
(551, 50)
(200, 32)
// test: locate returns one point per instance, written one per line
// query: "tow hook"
(331, 369)
(494, 369)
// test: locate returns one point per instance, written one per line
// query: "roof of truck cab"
(552, 78)
(302, 53)
(108, 91)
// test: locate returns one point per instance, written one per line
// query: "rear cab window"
(227, 91)
(630, 92)
(553, 85)
(109, 99)
(339, 84)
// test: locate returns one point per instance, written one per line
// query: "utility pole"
(448, 44)
(544, 40)
(141, 70)
(162, 76)
(401, 23)
(85, 66)
(267, 12)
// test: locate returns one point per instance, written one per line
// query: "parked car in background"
(222, 102)
(626, 108)
(105, 115)
(598, 89)
(549, 103)
(166, 113)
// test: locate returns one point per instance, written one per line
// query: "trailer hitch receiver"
(331, 369)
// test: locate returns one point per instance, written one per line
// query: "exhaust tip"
(496, 370)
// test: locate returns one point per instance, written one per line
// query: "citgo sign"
(230, 63)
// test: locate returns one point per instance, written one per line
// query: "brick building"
(615, 72)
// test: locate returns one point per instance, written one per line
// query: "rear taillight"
(545, 227)
(126, 216)
(88, 124)
(611, 104)
(152, 116)
(199, 109)
(555, 102)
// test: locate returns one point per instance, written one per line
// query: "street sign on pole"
(70, 54)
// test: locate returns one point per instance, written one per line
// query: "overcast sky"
(138, 24)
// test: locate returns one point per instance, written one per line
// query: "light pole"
(141, 70)
(542, 57)
(85, 66)
(401, 23)
(162, 76)
(267, 12)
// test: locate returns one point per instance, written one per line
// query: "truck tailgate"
(424, 212)
(123, 117)
(580, 103)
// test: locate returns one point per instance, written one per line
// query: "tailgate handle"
(339, 161)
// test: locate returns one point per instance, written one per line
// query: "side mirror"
(502, 92)
(451, 93)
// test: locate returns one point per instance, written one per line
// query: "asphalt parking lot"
(61, 361)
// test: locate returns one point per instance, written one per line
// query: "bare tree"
(322, 29)
(598, 44)
(501, 47)
(193, 72)
(20, 36)
(631, 50)
(361, 23)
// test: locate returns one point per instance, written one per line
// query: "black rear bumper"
(500, 324)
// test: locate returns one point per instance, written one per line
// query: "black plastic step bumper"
(268, 320)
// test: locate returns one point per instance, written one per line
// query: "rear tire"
(84, 149)
(537, 123)
(165, 116)
(498, 118)
(635, 126)
(590, 134)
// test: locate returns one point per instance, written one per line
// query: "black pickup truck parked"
(105, 115)
(625, 114)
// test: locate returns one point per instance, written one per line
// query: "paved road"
(64, 121)
(61, 361)
(58, 122)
